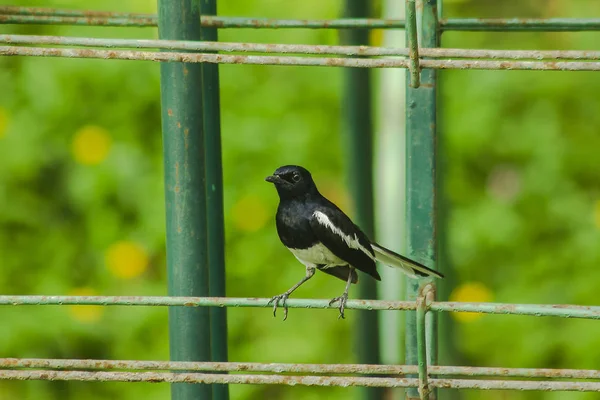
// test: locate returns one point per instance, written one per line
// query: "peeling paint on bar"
(512, 65)
(16, 10)
(206, 21)
(539, 310)
(300, 49)
(297, 61)
(156, 377)
(35, 15)
(197, 302)
(557, 310)
(86, 21)
(424, 389)
(199, 58)
(185, 377)
(366, 369)
(515, 385)
(521, 24)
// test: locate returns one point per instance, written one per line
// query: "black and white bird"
(323, 238)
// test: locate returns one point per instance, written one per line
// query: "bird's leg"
(344, 297)
(310, 271)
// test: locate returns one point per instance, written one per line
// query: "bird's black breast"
(293, 226)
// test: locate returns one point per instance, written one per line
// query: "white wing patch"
(351, 241)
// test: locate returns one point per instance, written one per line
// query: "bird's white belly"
(318, 254)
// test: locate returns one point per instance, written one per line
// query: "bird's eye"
(296, 177)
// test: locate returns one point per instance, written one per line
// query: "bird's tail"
(408, 266)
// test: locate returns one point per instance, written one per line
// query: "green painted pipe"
(185, 193)
(421, 208)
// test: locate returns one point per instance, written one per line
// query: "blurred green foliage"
(81, 199)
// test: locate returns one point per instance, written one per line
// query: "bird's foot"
(342, 299)
(275, 300)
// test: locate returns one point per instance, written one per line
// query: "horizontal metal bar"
(539, 310)
(198, 302)
(300, 49)
(366, 369)
(138, 21)
(186, 377)
(521, 24)
(346, 381)
(34, 15)
(16, 10)
(556, 310)
(515, 385)
(199, 58)
(145, 20)
(298, 61)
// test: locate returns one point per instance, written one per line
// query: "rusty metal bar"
(145, 20)
(422, 347)
(538, 310)
(199, 302)
(431, 330)
(346, 381)
(413, 43)
(36, 15)
(366, 369)
(593, 312)
(183, 377)
(297, 61)
(520, 24)
(137, 21)
(47, 11)
(301, 49)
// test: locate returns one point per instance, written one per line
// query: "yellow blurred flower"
(597, 214)
(3, 122)
(250, 214)
(126, 259)
(87, 314)
(376, 37)
(91, 145)
(470, 292)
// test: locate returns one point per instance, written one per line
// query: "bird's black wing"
(338, 233)
(342, 272)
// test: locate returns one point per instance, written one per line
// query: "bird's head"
(292, 181)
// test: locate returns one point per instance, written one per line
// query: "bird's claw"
(342, 299)
(275, 300)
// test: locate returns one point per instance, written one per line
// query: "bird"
(322, 237)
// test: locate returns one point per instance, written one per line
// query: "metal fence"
(190, 52)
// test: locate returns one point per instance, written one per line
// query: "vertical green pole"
(359, 129)
(185, 193)
(214, 198)
(421, 211)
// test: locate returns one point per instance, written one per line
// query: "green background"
(521, 177)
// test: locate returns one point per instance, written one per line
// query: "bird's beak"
(273, 179)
